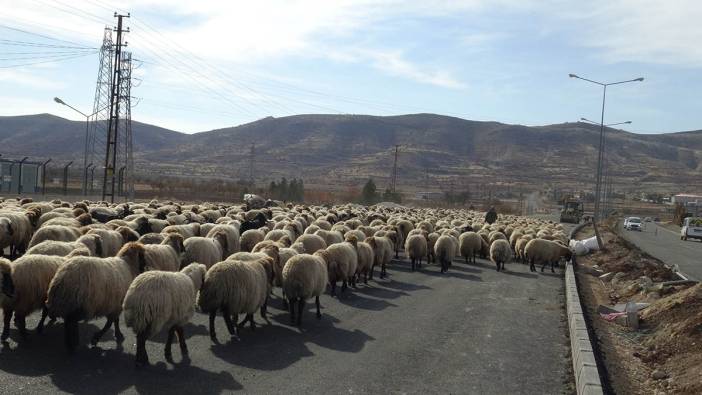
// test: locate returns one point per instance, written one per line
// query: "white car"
(691, 229)
(632, 223)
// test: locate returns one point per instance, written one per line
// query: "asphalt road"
(473, 330)
(665, 245)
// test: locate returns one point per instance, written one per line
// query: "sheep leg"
(371, 272)
(383, 271)
(365, 278)
(101, 332)
(72, 335)
(119, 337)
(319, 313)
(532, 268)
(142, 358)
(552, 265)
(40, 326)
(285, 301)
(230, 325)
(181, 342)
(333, 290)
(544, 266)
(292, 311)
(264, 309)
(250, 318)
(167, 352)
(7, 317)
(412, 264)
(344, 285)
(21, 325)
(300, 307)
(213, 334)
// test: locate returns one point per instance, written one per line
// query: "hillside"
(341, 149)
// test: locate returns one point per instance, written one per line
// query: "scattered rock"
(659, 375)
(607, 276)
(617, 277)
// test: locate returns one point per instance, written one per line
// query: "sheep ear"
(8, 286)
(10, 231)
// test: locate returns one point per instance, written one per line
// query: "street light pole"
(598, 177)
(607, 182)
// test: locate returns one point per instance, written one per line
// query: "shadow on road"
(107, 370)
(271, 347)
(356, 300)
(433, 270)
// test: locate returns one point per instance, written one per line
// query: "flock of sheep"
(155, 262)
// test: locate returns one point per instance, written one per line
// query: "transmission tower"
(393, 184)
(96, 138)
(125, 159)
(113, 124)
(251, 163)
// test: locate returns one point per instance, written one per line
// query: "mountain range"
(434, 151)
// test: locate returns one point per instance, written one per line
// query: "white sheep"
(165, 256)
(311, 243)
(416, 249)
(445, 249)
(92, 242)
(341, 260)
(88, 287)
(186, 230)
(540, 251)
(500, 252)
(382, 251)
(54, 232)
(233, 237)
(304, 276)
(250, 238)
(16, 230)
(205, 250)
(233, 287)
(24, 285)
(330, 237)
(156, 300)
(470, 244)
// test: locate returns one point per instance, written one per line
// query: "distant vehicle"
(572, 210)
(647, 219)
(632, 223)
(691, 229)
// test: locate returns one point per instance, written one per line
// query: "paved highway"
(665, 245)
(471, 331)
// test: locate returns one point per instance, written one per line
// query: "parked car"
(632, 223)
(691, 229)
(647, 219)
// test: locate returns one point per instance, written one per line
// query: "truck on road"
(691, 228)
(572, 210)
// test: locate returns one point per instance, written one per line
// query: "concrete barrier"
(587, 377)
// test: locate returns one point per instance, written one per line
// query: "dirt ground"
(664, 356)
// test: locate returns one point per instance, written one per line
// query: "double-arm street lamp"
(85, 152)
(600, 153)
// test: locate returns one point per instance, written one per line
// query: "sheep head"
(133, 254)
(6, 224)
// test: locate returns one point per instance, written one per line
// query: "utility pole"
(113, 123)
(394, 170)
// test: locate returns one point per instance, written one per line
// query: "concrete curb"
(587, 377)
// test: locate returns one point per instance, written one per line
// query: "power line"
(39, 45)
(46, 61)
(37, 34)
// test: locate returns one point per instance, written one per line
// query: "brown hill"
(435, 150)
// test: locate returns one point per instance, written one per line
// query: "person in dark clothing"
(491, 216)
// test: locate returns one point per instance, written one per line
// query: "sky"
(207, 64)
